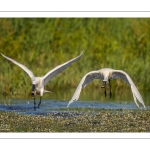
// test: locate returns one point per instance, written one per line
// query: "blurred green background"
(43, 43)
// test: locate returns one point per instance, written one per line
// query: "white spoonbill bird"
(39, 82)
(107, 74)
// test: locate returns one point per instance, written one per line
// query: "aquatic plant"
(79, 121)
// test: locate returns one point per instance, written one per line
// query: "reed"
(43, 43)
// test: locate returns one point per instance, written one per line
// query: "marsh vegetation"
(43, 43)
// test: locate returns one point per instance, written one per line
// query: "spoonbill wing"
(20, 65)
(124, 76)
(52, 73)
(84, 81)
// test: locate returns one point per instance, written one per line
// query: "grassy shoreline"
(101, 121)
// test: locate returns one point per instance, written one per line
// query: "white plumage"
(107, 74)
(39, 82)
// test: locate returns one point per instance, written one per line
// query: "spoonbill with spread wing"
(107, 74)
(39, 82)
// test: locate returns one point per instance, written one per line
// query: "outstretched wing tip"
(2, 54)
(71, 101)
(82, 51)
(58, 69)
(29, 72)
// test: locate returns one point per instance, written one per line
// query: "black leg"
(110, 89)
(105, 92)
(34, 104)
(39, 102)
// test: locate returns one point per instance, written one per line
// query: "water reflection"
(118, 95)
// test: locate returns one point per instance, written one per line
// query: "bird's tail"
(47, 91)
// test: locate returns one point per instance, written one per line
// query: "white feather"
(107, 74)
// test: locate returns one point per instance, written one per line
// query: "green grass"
(43, 43)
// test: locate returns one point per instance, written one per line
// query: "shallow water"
(88, 101)
(57, 106)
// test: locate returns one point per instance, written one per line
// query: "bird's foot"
(39, 102)
(34, 105)
(39, 105)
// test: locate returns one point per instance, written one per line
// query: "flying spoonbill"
(39, 82)
(106, 75)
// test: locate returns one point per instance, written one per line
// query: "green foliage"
(43, 43)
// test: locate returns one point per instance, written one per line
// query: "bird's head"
(33, 91)
(104, 84)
